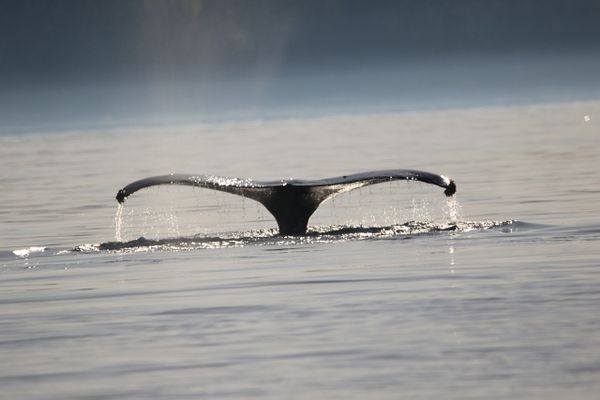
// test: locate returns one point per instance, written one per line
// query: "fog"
(78, 64)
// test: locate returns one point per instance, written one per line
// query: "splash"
(270, 237)
(24, 253)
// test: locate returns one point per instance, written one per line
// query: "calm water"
(501, 301)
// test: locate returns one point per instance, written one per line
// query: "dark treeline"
(90, 39)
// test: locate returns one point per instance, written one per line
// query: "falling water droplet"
(453, 209)
(174, 223)
(118, 222)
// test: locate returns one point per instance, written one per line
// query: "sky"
(85, 62)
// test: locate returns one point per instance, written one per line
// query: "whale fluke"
(291, 201)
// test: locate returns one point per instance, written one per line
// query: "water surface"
(395, 293)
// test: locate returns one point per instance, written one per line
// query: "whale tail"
(290, 201)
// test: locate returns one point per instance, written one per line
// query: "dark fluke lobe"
(290, 201)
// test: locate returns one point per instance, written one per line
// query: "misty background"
(73, 64)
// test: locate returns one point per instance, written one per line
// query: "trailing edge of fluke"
(290, 201)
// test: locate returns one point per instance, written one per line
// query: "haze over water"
(395, 293)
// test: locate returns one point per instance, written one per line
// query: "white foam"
(26, 252)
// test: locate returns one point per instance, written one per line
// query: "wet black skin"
(291, 201)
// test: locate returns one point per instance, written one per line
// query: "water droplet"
(118, 222)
